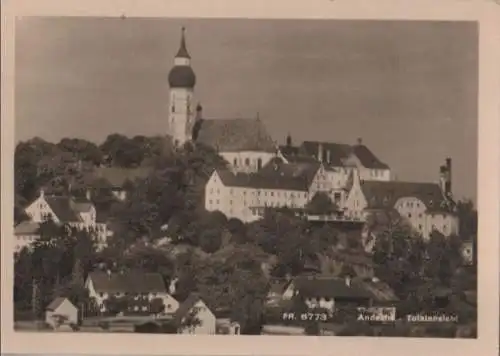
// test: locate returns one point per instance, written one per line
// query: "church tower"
(181, 109)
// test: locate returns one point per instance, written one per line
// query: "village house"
(61, 311)
(141, 287)
(327, 292)
(194, 317)
(116, 180)
(79, 213)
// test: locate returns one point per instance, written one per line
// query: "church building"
(243, 142)
(261, 174)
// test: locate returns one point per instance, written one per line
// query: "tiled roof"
(367, 158)
(338, 153)
(185, 307)
(133, 282)
(380, 291)
(384, 194)
(332, 287)
(63, 208)
(27, 228)
(280, 176)
(117, 176)
(293, 155)
(82, 205)
(234, 135)
(56, 303)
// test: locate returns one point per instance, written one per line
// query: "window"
(218, 191)
(231, 191)
(230, 202)
(420, 227)
(235, 162)
(217, 201)
(247, 161)
(210, 202)
(259, 163)
(419, 215)
(173, 108)
(211, 190)
(409, 215)
(272, 194)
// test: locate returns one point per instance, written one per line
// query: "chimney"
(445, 178)
(172, 286)
(199, 112)
(42, 193)
(320, 152)
(289, 140)
(448, 181)
(360, 141)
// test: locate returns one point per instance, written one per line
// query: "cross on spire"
(183, 53)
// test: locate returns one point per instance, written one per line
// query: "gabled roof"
(63, 208)
(296, 177)
(186, 307)
(330, 287)
(27, 228)
(234, 135)
(56, 303)
(133, 282)
(292, 155)
(338, 154)
(117, 176)
(384, 194)
(381, 292)
(367, 158)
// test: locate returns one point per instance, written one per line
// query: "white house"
(76, 212)
(194, 317)
(326, 292)
(427, 206)
(142, 287)
(246, 195)
(25, 234)
(61, 311)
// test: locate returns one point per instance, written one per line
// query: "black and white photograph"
(245, 176)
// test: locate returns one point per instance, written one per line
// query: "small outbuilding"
(61, 312)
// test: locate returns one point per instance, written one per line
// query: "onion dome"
(182, 75)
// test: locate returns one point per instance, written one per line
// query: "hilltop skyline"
(408, 89)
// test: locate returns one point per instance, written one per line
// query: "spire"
(183, 53)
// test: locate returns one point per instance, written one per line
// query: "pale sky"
(408, 89)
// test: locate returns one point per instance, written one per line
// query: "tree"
(398, 255)
(321, 204)
(157, 306)
(82, 149)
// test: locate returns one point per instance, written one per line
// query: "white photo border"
(486, 13)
